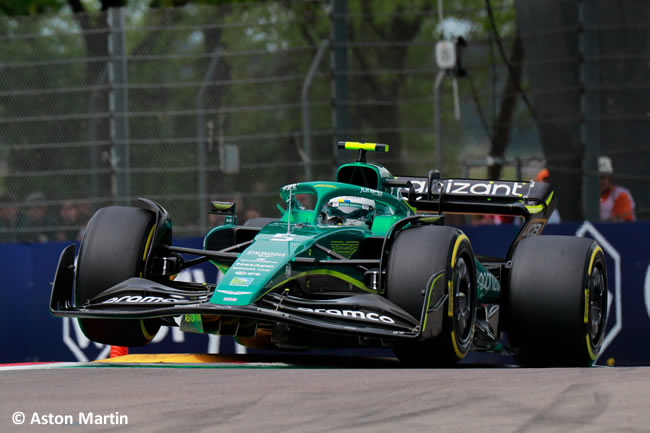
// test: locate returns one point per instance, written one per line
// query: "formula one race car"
(366, 261)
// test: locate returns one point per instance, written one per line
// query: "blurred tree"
(384, 41)
(95, 35)
(30, 7)
(512, 90)
(379, 38)
(556, 93)
(253, 96)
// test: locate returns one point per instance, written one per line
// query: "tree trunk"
(503, 123)
(555, 88)
(96, 43)
(215, 96)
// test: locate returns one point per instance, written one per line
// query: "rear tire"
(557, 301)
(429, 256)
(114, 248)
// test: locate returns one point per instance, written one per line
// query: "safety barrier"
(30, 333)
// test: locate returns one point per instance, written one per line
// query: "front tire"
(557, 301)
(425, 258)
(114, 248)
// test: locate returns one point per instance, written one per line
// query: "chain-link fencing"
(200, 103)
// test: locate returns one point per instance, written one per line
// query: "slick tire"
(557, 301)
(422, 257)
(113, 249)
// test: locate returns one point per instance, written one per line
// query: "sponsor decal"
(471, 187)
(282, 237)
(487, 283)
(234, 292)
(356, 314)
(371, 191)
(230, 299)
(418, 185)
(256, 264)
(484, 188)
(242, 268)
(136, 299)
(289, 187)
(345, 248)
(250, 273)
(264, 254)
(239, 281)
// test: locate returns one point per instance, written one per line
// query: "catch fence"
(201, 103)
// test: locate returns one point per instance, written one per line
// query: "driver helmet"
(350, 211)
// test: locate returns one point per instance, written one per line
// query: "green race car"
(365, 261)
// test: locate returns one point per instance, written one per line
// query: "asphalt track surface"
(364, 396)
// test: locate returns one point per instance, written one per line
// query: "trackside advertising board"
(29, 333)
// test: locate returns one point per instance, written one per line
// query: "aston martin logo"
(345, 248)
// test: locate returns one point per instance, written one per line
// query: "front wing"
(364, 315)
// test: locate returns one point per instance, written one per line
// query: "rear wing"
(534, 201)
(528, 199)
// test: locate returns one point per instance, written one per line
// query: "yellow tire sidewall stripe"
(590, 269)
(144, 331)
(450, 311)
(593, 259)
(147, 246)
(450, 278)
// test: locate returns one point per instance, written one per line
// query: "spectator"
(38, 221)
(616, 202)
(69, 224)
(544, 176)
(85, 212)
(10, 218)
(490, 219)
(252, 213)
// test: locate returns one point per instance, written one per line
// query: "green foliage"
(29, 135)
(30, 7)
(261, 53)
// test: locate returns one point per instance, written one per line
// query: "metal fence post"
(339, 62)
(200, 140)
(436, 117)
(92, 138)
(306, 113)
(589, 109)
(118, 104)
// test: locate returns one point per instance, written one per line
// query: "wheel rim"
(597, 306)
(462, 300)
